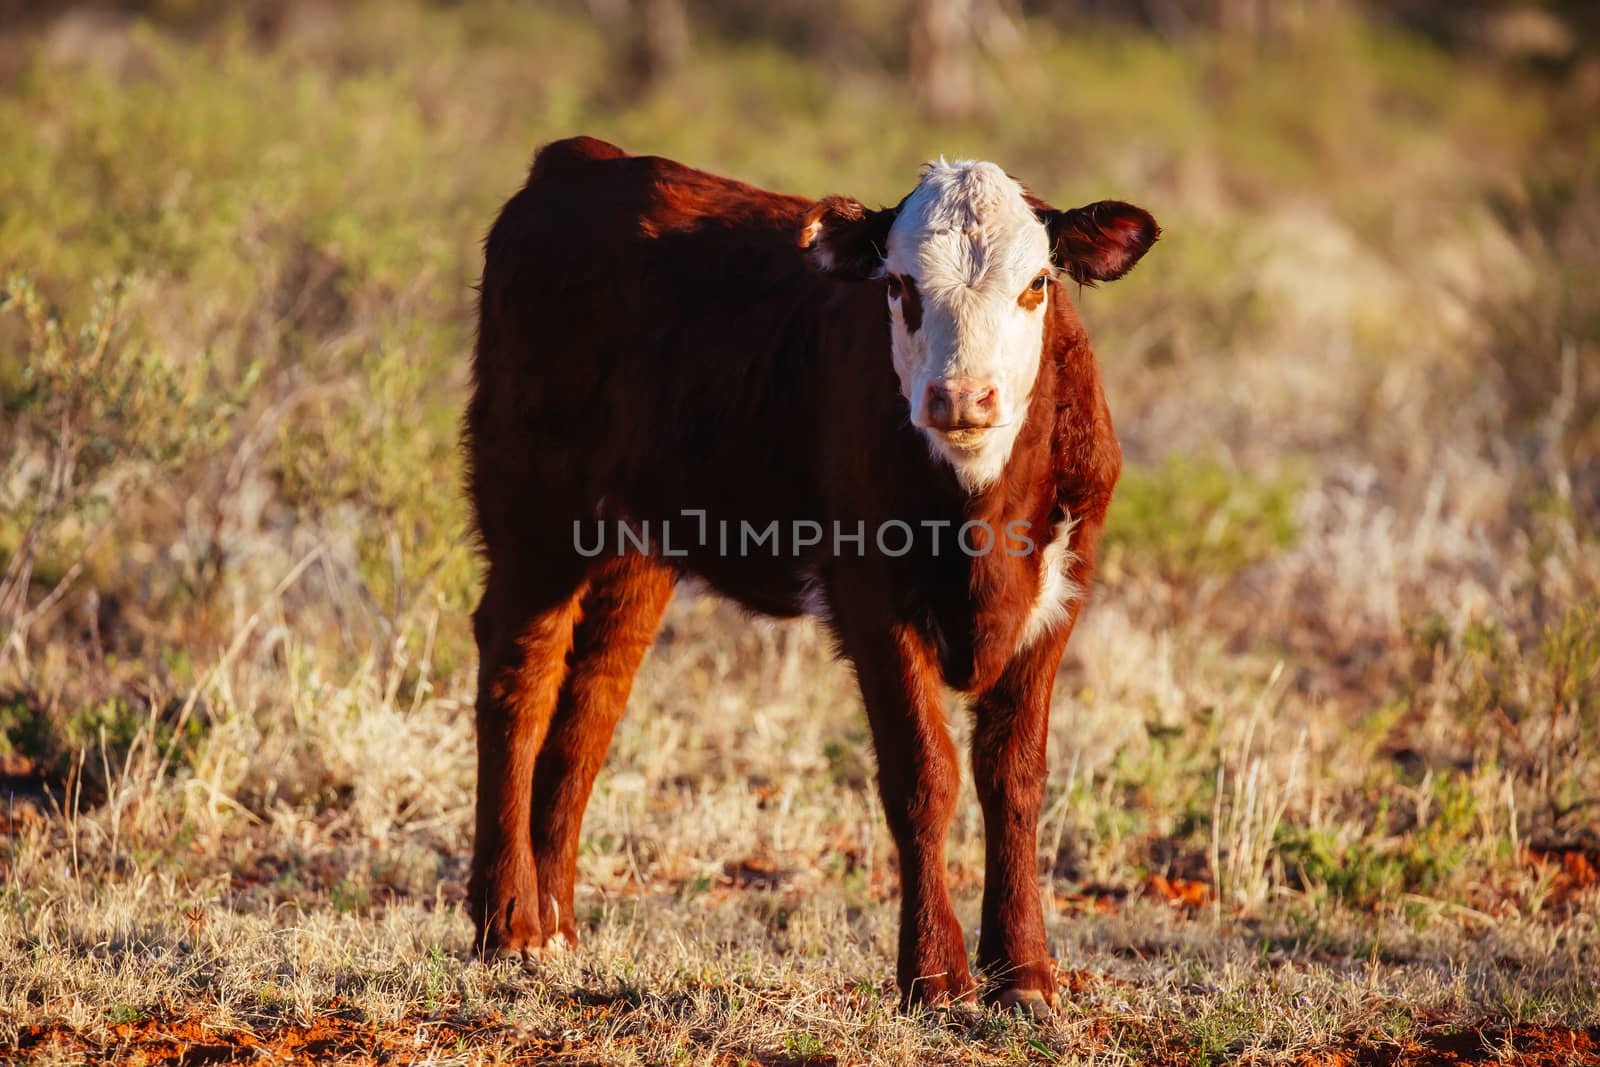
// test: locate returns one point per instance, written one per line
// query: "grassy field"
(1325, 752)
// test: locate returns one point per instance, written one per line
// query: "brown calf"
(899, 429)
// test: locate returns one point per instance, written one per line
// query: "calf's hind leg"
(620, 612)
(524, 628)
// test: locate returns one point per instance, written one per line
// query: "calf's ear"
(843, 239)
(1099, 242)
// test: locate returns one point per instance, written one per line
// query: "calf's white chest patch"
(1057, 589)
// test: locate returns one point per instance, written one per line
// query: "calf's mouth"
(967, 439)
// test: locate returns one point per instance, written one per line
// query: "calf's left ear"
(844, 239)
(1099, 242)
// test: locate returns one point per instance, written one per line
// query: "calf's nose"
(962, 404)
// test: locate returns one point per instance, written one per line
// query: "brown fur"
(651, 340)
(911, 304)
(1030, 297)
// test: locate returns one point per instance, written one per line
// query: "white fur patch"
(1057, 590)
(970, 242)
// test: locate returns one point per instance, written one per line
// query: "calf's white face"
(968, 266)
(966, 261)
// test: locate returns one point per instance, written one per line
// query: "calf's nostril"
(961, 403)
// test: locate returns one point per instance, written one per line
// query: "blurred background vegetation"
(1358, 381)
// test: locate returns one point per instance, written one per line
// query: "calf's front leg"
(918, 778)
(1011, 723)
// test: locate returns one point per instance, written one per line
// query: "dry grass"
(1325, 755)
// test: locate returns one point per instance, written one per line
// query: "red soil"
(345, 1040)
(1516, 1046)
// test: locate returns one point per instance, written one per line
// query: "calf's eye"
(1038, 283)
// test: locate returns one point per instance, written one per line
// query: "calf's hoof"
(954, 994)
(508, 932)
(963, 1014)
(527, 956)
(1030, 1002)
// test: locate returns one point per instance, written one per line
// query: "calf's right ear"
(845, 240)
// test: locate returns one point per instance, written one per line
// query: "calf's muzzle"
(961, 404)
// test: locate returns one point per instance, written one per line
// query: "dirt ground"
(343, 1039)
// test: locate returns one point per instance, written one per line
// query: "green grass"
(1195, 518)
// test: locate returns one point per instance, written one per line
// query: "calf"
(889, 419)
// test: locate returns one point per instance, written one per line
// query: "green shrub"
(92, 418)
